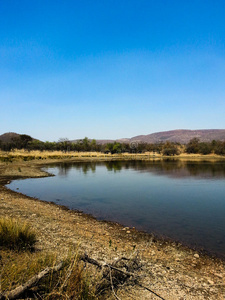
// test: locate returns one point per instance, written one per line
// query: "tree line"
(85, 145)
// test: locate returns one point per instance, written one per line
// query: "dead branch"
(92, 261)
(30, 283)
(111, 281)
(148, 289)
(111, 267)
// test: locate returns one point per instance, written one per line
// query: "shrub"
(205, 148)
(15, 235)
(170, 151)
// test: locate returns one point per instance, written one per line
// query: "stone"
(210, 281)
(125, 228)
(218, 275)
(196, 255)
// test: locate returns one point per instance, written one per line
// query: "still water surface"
(184, 201)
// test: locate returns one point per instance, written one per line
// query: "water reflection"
(65, 168)
(170, 168)
(183, 200)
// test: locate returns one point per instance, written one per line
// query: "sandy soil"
(171, 270)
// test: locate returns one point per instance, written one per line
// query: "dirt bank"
(171, 270)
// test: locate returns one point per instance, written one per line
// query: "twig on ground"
(30, 283)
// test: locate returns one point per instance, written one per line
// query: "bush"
(15, 235)
(205, 148)
(170, 151)
(220, 148)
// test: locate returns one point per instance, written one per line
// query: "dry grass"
(15, 235)
(72, 282)
(17, 267)
(26, 155)
(49, 154)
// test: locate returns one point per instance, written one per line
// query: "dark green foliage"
(205, 148)
(193, 146)
(219, 148)
(170, 149)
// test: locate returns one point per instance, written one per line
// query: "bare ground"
(171, 270)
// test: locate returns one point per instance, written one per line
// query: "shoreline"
(43, 174)
(159, 237)
(105, 239)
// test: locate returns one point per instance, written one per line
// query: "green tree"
(93, 145)
(193, 146)
(205, 148)
(170, 149)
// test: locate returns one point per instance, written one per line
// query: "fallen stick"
(153, 292)
(30, 283)
(86, 258)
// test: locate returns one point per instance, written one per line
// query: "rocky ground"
(169, 270)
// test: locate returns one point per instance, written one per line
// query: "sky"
(108, 69)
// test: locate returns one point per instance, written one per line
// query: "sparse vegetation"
(70, 282)
(17, 267)
(15, 235)
(167, 148)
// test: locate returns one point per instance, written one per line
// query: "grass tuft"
(16, 235)
(73, 281)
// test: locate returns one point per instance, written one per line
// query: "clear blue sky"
(111, 68)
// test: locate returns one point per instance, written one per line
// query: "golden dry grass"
(48, 154)
(71, 282)
(17, 267)
(16, 235)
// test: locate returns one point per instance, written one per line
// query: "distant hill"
(7, 137)
(182, 136)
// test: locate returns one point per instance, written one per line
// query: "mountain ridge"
(182, 136)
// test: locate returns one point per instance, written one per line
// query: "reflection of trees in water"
(115, 166)
(64, 168)
(168, 167)
(216, 169)
(181, 169)
(88, 167)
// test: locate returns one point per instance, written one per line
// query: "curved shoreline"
(158, 236)
(59, 227)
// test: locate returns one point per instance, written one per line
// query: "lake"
(184, 201)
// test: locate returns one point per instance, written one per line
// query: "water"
(184, 201)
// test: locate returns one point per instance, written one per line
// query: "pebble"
(210, 281)
(125, 228)
(196, 255)
(218, 275)
(128, 231)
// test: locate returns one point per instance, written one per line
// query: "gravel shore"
(169, 269)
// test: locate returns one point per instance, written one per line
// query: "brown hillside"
(7, 137)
